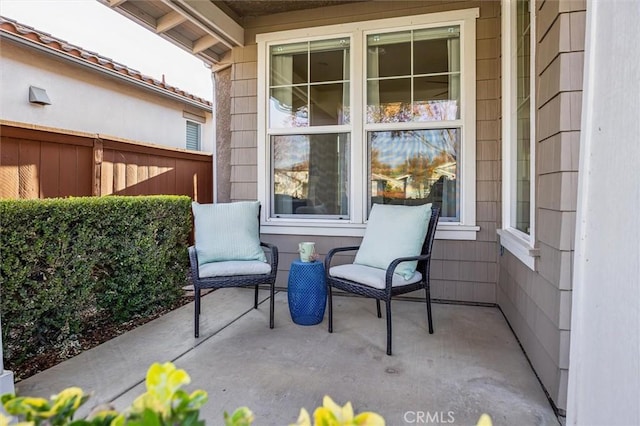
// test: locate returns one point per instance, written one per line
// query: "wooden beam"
(168, 21)
(215, 19)
(116, 3)
(203, 43)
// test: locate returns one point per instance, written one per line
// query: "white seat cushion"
(373, 277)
(233, 267)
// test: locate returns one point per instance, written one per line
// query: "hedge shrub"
(66, 261)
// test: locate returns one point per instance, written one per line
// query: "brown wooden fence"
(44, 163)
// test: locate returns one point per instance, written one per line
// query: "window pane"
(389, 55)
(436, 98)
(193, 135)
(522, 220)
(288, 107)
(414, 167)
(436, 55)
(389, 101)
(432, 57)
(523, 169)
(310, 174)
(329, 60)
(327, 104)
(289, 64)
(309, 84)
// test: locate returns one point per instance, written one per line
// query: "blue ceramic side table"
(307, 292)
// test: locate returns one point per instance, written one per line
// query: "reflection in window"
(309, 84)
(415, 167)
(413, 75)
(310, 174)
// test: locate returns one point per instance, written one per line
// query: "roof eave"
(102, 70)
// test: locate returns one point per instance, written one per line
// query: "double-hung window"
(371, 112)
(518, 144)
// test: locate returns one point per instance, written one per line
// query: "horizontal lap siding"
(461, 270)
(538, 304)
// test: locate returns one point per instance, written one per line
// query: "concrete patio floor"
(470, 365)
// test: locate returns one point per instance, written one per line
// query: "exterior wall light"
(38, 96)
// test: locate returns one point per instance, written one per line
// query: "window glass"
(523, 113)
(310, 174)
(193, 136)
(413, 75)
(309, 84)
(415, 167)
(289, 64)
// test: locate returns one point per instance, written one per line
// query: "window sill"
(333, 229)
(519, 247)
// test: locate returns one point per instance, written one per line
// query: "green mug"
(307, 251)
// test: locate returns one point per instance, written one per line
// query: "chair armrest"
(273, 255)
(394, 264)
(193, 261)
(332, 252)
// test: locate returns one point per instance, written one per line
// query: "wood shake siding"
(538, 303)
(244, 126)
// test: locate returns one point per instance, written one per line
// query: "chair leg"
(378, 306)
(388, 326)
(271, 304)
(330, 302)
(196, 296)
(428, 299)
(255, 299)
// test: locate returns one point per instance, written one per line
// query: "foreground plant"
(56, 411)
(165, 404)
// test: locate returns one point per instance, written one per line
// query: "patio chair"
(228, 252)
(393, 258)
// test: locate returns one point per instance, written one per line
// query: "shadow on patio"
(470, 365)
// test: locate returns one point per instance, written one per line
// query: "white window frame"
(520, 244)
(466, 228)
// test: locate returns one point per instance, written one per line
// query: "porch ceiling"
(207, 29)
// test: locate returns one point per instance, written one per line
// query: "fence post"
(96, 177)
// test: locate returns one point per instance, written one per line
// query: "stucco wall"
(538, 303)
(87, 101)
(222, 171)
(461, 270)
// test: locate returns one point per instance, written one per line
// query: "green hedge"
(66, 261)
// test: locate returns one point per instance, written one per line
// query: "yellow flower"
(73, 395)
(331, 414)
(303, 419)
(28, 407)
(163, 380)
(485, 420)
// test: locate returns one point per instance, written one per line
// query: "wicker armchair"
(389, 284)
(227, 274)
